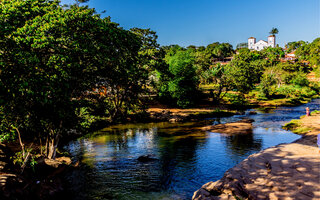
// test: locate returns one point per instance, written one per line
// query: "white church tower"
(251, 42)
(272, 41)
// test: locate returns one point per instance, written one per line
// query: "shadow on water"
(183, 156)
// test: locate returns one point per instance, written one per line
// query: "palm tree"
(274, 31)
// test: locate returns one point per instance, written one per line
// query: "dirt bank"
(286, 171)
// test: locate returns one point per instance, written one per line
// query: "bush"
(180, 84)
(300, 79)
(236, 99)
(295, 123)
(286, 90)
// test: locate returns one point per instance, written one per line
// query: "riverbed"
(184, 158)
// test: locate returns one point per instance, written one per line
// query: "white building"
(261, 44)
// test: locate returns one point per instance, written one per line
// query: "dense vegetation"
(64, 69)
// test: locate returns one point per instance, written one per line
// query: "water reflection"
(184, 156)
(242, 144)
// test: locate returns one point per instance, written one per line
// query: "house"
(290, 56)
(261, 44)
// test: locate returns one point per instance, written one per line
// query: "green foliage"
(242, 45)
(301, 130)
(291, 46)
(273, 55)
(25, 158)
(292, 124)
(217, 76)
(178, 83)
(274, 31)
(85, 117)
(51, 56)
(267, 81)
(315, 86)
(236, 99)
(300, 79)
(316, 70)
(294, 67)
(246, 69)
(218, 51)
(294, 91)
(310, 52)
(7, 132)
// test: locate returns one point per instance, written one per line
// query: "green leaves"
(179, 82)
(50, 56)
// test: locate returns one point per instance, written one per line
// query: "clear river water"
(184, 158)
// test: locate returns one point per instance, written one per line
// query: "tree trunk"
(52, 144)
(21, 143)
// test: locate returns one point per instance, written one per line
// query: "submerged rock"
(252, 113)
(146, 158)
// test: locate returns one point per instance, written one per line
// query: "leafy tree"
(291, 46)
(310, 52)
(179, 83)
(245, 70)
(242, 45)
(273, 54)
(219, 51)
(266, 83)
(268, 79)
(192, 47)
(218, 76)
(50, 57)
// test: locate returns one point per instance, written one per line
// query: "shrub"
(295, 123)
(300, 79)
(236, 99)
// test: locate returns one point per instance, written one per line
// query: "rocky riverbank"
(44, 182)
(286, 171)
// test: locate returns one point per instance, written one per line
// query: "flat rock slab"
(286, 171)
(240, 127)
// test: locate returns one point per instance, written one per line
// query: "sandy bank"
(240, 127)
(286, 171)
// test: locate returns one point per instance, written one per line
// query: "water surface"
(185, 158)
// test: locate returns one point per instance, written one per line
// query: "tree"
(242, 45)
(219, 51)
(274, 31)
(178, 83)
(292, 46)
(246, 69)
(218, 76)
(273, 54)
(310, 52)
(50, 57)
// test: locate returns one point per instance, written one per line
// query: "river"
(184, 158)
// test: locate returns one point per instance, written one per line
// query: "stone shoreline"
(285, 171)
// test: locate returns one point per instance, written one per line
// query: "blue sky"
(201, 22)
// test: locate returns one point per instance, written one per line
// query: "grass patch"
(293, 124)
(207, 87)
(296, 127)
(301, 130)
